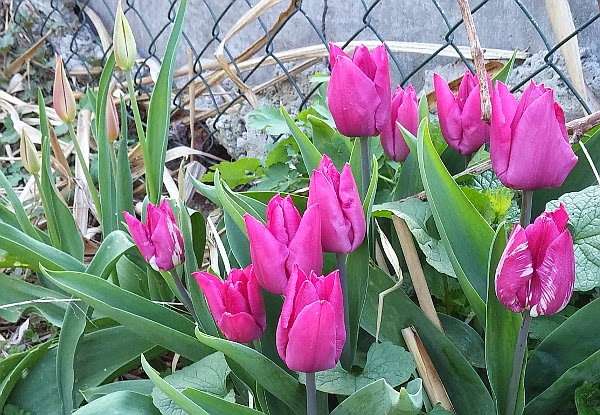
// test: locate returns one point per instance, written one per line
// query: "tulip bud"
(236, 304)
(460, 116)
(343, 224)
(405, 111)
(537, 269)
(160, 241)
(286, 240)
(529, 144)
(359, 90)
(123, 41)
(29, 155)
(310, 334)
(63, 99)
(112, 121)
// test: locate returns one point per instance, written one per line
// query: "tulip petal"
(352, 207)
(312, 343)
(255, 299)
(540, 235)
(283, 218)
(268, 256)
(334, 52)
(383, 87)
(363, 59)
(352, 98)
(285, 318)
(305, 249)
(139, 233)
(448, 112)
(168, 249)
(336, 299)
(235, 301)
(476, 132)
(211, 287)
(504, 106)
(241, 327)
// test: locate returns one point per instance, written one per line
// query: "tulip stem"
(311, 394)
(346, 358)
(185, 296)
(526, 200)
(365, 164)
(515, 379)
(136, 111)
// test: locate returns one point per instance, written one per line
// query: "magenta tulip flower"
(343, 224)
(405, 111)
(236, 304)
(537, 268)
(359, 90)
(529, 144)
(159, 240)
(310, 333)
(285, 240)
(460, 116)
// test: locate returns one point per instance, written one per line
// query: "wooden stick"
(582, 125)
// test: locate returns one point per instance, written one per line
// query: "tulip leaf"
(120, 402)
(210, 192)
(273, 378)
(384, 361)
(409, 180)
(208, 374)
(160, 109)
(140, 386)
(132, 278)
(371, 191)
(109, 253)
(468, 393)
(329, 141)
(176, 396)
(19, 211)
(584, 216)
(380, 398)
(505, 72)
(310, 155)
(501, 332)
(464, 232)
(151, 321)
(215, 405)
(465, 339)
(566, 347)
(123, 179)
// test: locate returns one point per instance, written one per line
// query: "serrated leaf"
(584, 215)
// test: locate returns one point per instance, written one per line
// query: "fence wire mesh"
(216, 91)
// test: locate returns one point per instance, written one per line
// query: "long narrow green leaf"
(215, 405)
(109, 253)
(151, 321)
(106, 179)
(21, 215)
(157, 132)
(265, 372)
(310, 155)
(123, 181)
(504, 74)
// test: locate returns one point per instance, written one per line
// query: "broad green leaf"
(416, 213)
(310, 154)
(141, 386)
(409, 180)
(384, 361)
(501, 332)
(267, 119)
(159, 111)
(120, 403)
(265, 372)
(109, 253)
(379, 398)
(236, 173)
(466, 390)
(215, 405)
(20, 214)
(465, 339)
(151, 321)
(177, 397)
(584, 215)
(132, 278)
(329, 141)
(505, 72)
(208, 375)
(569, 345)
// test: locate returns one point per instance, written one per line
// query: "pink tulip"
(343, 224)
(359, 90)
(236, 304)
(405, 111)
(311, 333)
(159, 240)
(537, 268)
(285, 240)
(529, 144)
(460, 116)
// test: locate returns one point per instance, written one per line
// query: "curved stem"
(346, 357)
(311, 394)
(515, 379)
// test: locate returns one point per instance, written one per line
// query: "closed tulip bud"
(405, 111)
(529, 144)
(460, 116)
(286, 240)
(112, 121)
(537, 269)
(159, 240)
(343, 224)
(123, 41)
(63, 99)
(236, 304)
(359, 90)
(29, 155)
(311, 334)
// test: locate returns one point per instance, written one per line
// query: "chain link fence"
(82, 40)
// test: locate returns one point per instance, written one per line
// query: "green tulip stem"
(311, 394)
(526, 200)
(346, 357)
(113, 159)
(365, 164)
(86, 171)
(185, 296)
(515, 379)
(136, 111)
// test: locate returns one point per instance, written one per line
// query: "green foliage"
(587, 399)
(236, 173)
